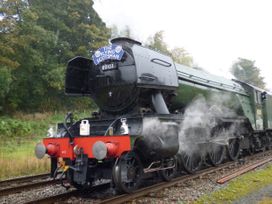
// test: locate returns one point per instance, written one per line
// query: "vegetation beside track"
(239, 187)
(18, 136)
(266, 200)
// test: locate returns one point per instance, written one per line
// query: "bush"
(10, 127)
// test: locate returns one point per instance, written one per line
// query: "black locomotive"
(155, 117)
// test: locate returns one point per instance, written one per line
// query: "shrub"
(10, 127)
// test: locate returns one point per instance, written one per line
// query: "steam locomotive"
(143, 127)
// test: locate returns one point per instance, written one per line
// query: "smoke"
(200, 125)
(159, 132)
(196, 126)
(197, 129)
(153, 126)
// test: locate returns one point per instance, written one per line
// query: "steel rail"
(67, 195)
(162, 185)
(54, 198)
(120, 198)
(243, 170)
(24, 178)
(25, 187)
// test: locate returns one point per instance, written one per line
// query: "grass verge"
(18, 136)
(239, 187)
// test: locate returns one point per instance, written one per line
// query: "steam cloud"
(197, 126)
(200, 119)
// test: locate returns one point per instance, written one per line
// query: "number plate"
(107, 67)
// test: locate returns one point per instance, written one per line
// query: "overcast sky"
(214, 32)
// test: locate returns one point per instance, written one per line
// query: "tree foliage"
(179, 55)
(245, 70)
(157, 43)
(37, 39)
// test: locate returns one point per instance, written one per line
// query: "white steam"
(199, 123)
(159, 133)
(198, 127)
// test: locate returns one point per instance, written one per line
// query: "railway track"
(160, 186)
(25, 183)
(54, 198)
(67, 195)
(139, 193)
(243, 170)
(226, 167)
(23, 179)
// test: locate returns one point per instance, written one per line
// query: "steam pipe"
(68, 116)
(159, 103)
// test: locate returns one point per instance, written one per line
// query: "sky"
(214, 32)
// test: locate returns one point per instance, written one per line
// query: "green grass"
(266, 201)
(21, 161)
(237, 188)
(18, 136)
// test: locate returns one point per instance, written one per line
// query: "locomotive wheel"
(190, 161)
(168, 174)
(233, 149)
(216, 154)
(127, 172)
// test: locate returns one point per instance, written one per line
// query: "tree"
(157, 43)
(245, 70)
(179, 55)
(34, 52)
(77, 27)
(10, 12)
(38, 37)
